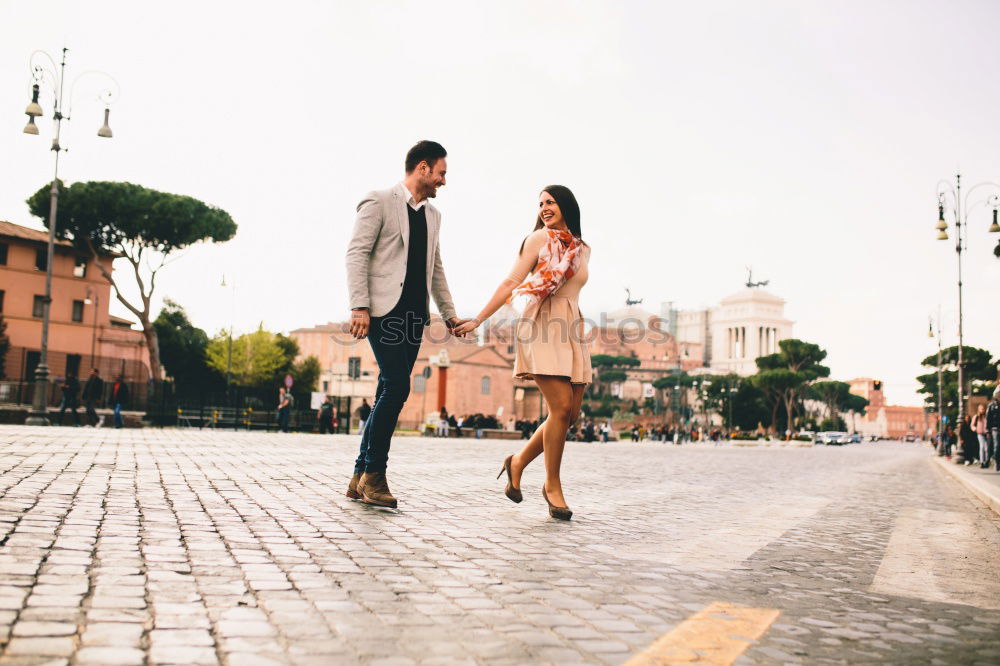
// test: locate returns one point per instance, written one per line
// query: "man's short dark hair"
(424, 151)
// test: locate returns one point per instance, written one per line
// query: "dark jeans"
(326, 426)
(91, 412)
(72, 406)
(395, 340)
(283, 415)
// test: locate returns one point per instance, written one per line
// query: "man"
(993, 426)
(284, 408)
(393, 268)
(364, 411)
(119, 398)
(325, 416)
(71, 390)
(93, 391)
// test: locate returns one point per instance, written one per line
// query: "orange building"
(82, 333)
(479, 376)
(892, 421)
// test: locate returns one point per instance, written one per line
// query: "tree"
(306, 373)
(832, 394)
(4, 347)
(143, 226)
(798, 357)
(608, 369)
(980, 373)
(779, 386)
(257, 357)
(183, 350)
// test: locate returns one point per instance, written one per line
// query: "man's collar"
(408, 196)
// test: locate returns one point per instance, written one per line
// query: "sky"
(804, 139)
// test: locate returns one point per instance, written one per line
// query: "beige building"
(743, 327)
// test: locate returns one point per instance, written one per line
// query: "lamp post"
(229, 353)
(45, 72)
(93, 298)
(940, 380)
(950, 196)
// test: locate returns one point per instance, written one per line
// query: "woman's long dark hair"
(569, 208)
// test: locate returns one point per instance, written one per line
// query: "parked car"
(855, 438)
(832, 437)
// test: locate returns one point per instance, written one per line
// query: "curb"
(988, 493)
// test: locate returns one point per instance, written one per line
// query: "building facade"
(82, 332)
(884, 420)
(743, 327)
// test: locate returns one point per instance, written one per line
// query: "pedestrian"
(284, 408)
(70, 397)
(325, 416)
(393, 268)
(364, 411)
(982, 434)
(453, 422)
(970, 443)
(119, 399)
(605, 432)
(993, 425)
(554, 259)
(93, 391)
(442, 426)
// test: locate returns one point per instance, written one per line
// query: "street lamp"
(93, 298)
(960, 215)
(229, 354)
(44, 71)
(930, 333)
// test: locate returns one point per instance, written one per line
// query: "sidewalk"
(983, 483)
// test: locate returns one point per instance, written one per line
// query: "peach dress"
(550, 334)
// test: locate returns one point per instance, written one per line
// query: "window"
(77, 310)
(1, 299)
(419, 384)
(38, 307)
(80, 267)
(510, 349)
(41, 259)
(3, 254)
(484, 385)
(326, 387)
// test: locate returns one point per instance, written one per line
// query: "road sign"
(288, 381)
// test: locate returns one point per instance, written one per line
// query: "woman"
(979, 427)
(550, 347)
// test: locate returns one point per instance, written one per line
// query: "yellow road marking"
(717, 635)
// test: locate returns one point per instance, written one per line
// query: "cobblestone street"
(199, 547)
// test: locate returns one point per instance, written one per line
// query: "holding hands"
(466, 326)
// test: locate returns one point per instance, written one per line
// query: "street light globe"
(941, 225)
(105, 130)
(943, 235)
(34, 108)
(31, 127)
(994, 228)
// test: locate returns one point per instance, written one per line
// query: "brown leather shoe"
(374, 489)
(352, 487)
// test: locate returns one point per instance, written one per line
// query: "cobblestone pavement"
(198, 547)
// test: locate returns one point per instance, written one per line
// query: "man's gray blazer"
(376, 255)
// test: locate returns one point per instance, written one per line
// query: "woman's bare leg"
(558, 394)
(534, 446)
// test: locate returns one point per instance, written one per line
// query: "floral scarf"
(558, 261)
